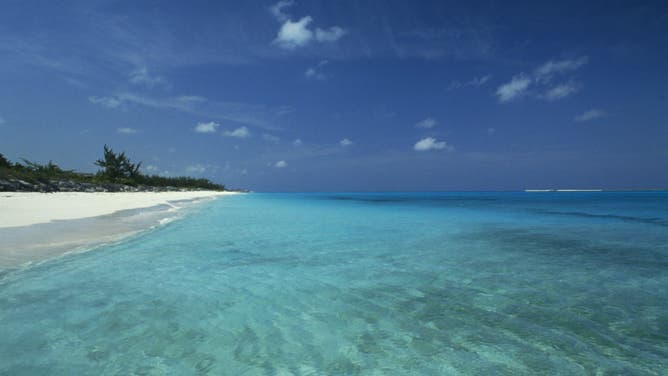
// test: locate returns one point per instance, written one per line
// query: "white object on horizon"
(563, 190)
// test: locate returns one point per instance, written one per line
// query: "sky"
(343, 95)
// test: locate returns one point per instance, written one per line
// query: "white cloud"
(281, 164)
(332, 34)
(590, 115)
(271, 138)
(315, 72)
(251, 114)
(479, 81)
(189, 99)
(561, 91)
(109, 102)
(195, 169)
(294, 34)
(298, 142)
(277, 9)
(241, 132)
(140, 76)
(429, 143)
(152, 168)
(312, 73)
(284, 111)
(427, 123)
(475, 82)
(155, 170)
(127, 130)
(541, 77)
(513, 89)
(209, 127)
(345, 142)
(546, 71)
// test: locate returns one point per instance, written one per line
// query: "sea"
(346, 283)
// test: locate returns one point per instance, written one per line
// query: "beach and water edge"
(36, 227)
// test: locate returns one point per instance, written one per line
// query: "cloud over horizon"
(562, 91)
(294, 34)
(256, 115)
(241, 132)
(427, 123)
(541, 79)
(430, 143)
(209, 127)
(271, 138)
(195, 169)
(316, 72)
(109, 102)
(590, 115)
(277, 9)
(281, 164)
(332, 34)
(513, 89)
(474, 82)
(141, 76)
(127, 130)
(547, 70)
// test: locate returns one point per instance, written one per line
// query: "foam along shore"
(38, 226)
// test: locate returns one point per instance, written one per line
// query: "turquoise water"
(358, 284)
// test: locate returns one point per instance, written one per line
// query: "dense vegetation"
(116, 169)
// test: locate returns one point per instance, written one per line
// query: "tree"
(117, 167)
(50, 169)
(4, 162)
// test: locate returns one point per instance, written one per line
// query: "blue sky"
(344, 95)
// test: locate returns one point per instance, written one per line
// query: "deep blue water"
(358, 284)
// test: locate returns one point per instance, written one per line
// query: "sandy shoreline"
(39, 226)
(28, 208)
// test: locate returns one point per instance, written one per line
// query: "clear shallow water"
(368, 284)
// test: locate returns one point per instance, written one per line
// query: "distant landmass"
(563, 190)
(594, 190)
(117, 174)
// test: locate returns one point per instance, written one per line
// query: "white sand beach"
(39, 226)
(28, 208)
